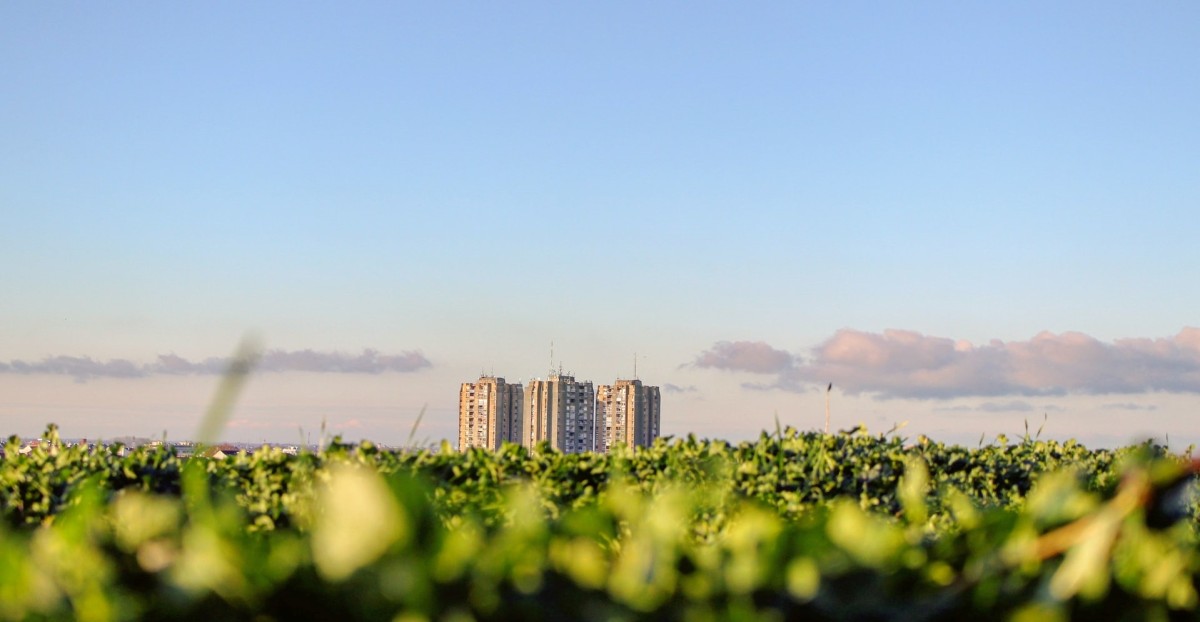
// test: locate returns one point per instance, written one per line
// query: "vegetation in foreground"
(793, 526)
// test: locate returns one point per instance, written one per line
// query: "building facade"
(489, 413)
(561, 411)
(627, 413)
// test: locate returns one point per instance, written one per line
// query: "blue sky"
(469, 182)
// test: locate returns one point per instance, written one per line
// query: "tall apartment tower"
(489, 413)
(627, 413)
(562, 411)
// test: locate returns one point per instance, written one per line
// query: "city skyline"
(567, 414)
(760, 369)
(965, 217)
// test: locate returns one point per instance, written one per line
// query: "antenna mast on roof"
(828, 390)
(635, 366)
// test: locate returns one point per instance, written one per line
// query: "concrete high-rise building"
(627, 413)
(562, 411)
(489, 413)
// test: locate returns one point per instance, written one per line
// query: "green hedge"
(793, 526)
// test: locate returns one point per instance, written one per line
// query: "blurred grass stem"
(248, 353)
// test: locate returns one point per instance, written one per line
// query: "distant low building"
(219, 452)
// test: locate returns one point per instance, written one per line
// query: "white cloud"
(79, 367)
(1005, 407)
(674, 388)
(84, 368)
(369, 362)
(1129, 406)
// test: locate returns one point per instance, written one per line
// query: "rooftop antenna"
(828, 390)
(635, 366)
(551, 357)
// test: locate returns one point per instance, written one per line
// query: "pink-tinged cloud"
(752, 356)
(907, 364)
(84, 368)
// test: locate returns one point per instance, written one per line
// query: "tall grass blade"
(413, 432)
(248, 353)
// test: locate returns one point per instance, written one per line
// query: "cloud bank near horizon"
(908, 364)
(83, 368)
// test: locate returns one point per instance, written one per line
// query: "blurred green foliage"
(793, 526)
